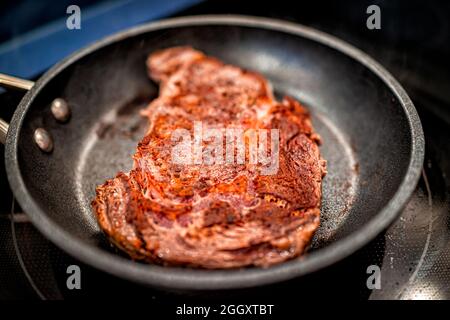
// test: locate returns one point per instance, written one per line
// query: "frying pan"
(372, 135)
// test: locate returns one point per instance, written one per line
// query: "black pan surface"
(373, 139)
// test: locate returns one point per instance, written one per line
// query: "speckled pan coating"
(375, 144)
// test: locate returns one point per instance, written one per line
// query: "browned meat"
(218, 215)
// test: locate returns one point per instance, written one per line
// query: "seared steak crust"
(214, 216)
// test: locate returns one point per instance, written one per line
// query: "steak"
(220, 214)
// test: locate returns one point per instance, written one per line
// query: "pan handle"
(9, 82)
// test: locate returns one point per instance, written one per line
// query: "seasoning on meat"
(214, 215)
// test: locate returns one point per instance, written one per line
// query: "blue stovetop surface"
(34, 35)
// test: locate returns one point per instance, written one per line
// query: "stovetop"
(413, 254)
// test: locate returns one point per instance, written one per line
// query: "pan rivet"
(60, 110)
(43, 140)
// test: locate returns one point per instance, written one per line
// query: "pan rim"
(195, 279)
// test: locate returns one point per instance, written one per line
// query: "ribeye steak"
(219, 215)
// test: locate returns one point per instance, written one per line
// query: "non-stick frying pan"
(372, 136)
